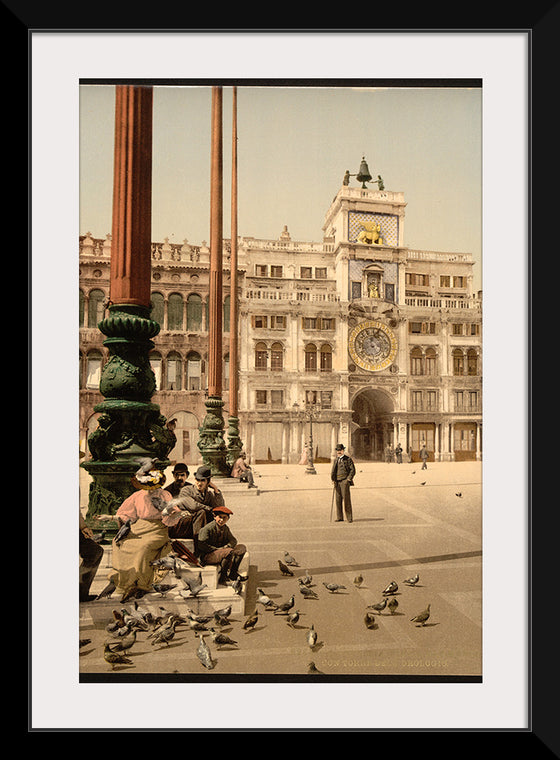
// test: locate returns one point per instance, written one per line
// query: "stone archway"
(372, 424)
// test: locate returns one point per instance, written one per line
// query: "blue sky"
(294, 145)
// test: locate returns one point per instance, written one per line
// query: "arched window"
(194, 312)
(175, 312)
(81, 372)
(82, 307)
(326, 358)
(416, 361)
(95, 307)
(311, 358)
(431, 363)
(158, 308)
(93, 368)
(174, 372)
(156, 363)
(458, 362)
(261, 356)
(227, 301)
(472, 362)
(276, 357)
(194, 371)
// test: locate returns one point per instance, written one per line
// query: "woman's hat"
(223, 510)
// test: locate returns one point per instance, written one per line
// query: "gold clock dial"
(372, 345)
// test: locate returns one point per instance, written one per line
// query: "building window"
(311, 358)
(82, 306)
(414, 278)
(309, 323)
(422, 328)
(276, 271)
(431, 401)
(260, 321)
(175, 312)
(474, 329)
(356, 290)
(261, 270)
(261, 357)
(326, 399)
(326, 358)
(327, 323)
(416, 362)
(430, 361)
(320, 273)
(472, 362)
(93, 369)
(458, 362)
(194, 313)
(260, 398)
(194, 371)
(276, 357)
(458, 282)
(95, 307)
(416, 401)
(457, 329)
(226, 372)
(277, 398)
(305, 273)
(277, 322)
(311, 398)
(445, 281)
(174, 372)
(158, 308)
(156, 364)
(227, 301)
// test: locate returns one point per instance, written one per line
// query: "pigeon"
(358, 580)
(134, 618)
(107, 591)
(306, 580)
(421, 617)
(413, 580)
(292, 618)
(307, 593)
(164, 634)
(311, 637)
(284, 569)
(313, 670)
(237, 584)
(224, 611)
(285, 606)
(220, 639)
(116, 623)
(169, 562)
(378, 607)
(333, 587)
(115, 658)
(221, 620)
(392, 605)
(191, 615)
(146, 464)
(123, 643)
(195, 625)
(84, 642)
(158, 501)
(163, 588)
(203, 653)
(289, 560)
(99, 538)
(193, 588)
(423, 483)
(459, 494)
(251, 621)
(123, 532)
(265, 600)
(392, 588)
(369, 620)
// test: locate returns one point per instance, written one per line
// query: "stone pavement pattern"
(406, 521)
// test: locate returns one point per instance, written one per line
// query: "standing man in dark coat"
(342, 476)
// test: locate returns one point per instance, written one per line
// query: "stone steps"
(214, 597)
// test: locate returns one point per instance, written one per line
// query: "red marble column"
(233, 309)
(132, 197)
(215, 309)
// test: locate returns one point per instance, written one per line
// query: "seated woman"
(147, 539)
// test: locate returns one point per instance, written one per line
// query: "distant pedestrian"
(342, 476)
(424, 456)
(388, 453)
(398, 453)
(243, 471)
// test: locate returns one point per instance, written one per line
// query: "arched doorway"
(186, 449)
(372, 424)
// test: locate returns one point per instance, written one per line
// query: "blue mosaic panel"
(389, 226)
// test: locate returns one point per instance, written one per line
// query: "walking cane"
(332, 502)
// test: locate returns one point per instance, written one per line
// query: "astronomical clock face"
(372, 346)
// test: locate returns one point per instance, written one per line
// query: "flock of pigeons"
(126, 624)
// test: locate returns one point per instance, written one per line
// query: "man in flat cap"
(196, 502)
(218, 546)
(342, 476)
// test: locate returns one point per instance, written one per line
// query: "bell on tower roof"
(363, 175)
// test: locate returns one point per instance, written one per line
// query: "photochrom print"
(281, 372)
